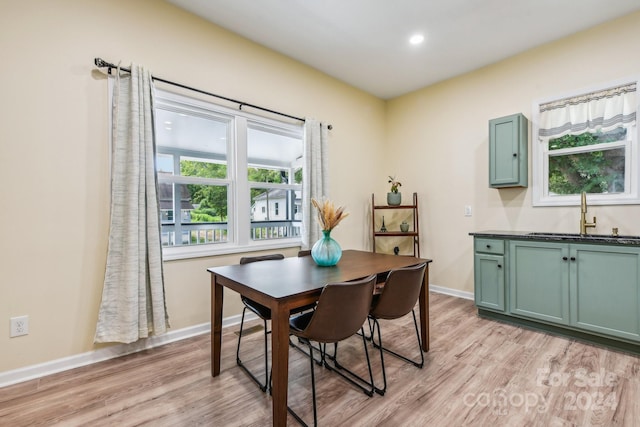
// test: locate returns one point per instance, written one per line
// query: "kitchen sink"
(542, 234)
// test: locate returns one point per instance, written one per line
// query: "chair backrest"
(342, 309)
(400, 292)
(248, 259)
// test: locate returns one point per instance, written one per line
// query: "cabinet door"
(605, 296)
(489, 281)
(508, 151)
(539, 280)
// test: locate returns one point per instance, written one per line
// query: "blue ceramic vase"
(326, 251)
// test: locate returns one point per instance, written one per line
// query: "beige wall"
(54, 150)
(438, 138)
(54, 153)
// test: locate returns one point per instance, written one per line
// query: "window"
(587, 142)
(235, 178)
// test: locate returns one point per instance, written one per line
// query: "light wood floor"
(478, 373)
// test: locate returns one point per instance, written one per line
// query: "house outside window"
(215, 165)
(587, 142)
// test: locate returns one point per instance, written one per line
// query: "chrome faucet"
(583, 215)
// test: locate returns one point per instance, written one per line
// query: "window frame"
(237, 182)
(541, 153)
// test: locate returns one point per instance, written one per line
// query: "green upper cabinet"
(508, 138)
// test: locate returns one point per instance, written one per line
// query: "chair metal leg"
(337, 368)
(264, 387)
(379, 345)
(240, 334)
(378, 390)
(370, 336)
(303, 351)
(313, 385)
(313, 390)
(267, 383)
(323, 357)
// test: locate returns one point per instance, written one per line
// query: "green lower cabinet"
(489, 281)
(605, 296)
(539, 281)
(578, 288)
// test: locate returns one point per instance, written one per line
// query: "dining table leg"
(280, 362)
(216, 325)
(424, 310)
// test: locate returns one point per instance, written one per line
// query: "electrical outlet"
(467, 210)
(19, 326)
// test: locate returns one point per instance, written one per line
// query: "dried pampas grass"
(328, 215)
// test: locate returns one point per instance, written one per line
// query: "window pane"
(593, 172)
(203, 214)
(203, 168)
(268, 175)
(275, 214)
(587, 138)
(164, 164)
(272, 154)
(203, 203)
(186, 130)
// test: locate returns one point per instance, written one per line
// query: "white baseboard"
(451, 292)
(40, 370)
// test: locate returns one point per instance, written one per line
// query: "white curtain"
(602, 110)
(133, 301)
(314, 180)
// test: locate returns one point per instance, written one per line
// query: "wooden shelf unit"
(414, 230)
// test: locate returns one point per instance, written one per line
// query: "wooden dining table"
(294, 282)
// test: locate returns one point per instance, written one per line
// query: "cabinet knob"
(564, 258)
(488, 246)
(499, 265)
(573, 258)
(515, 154)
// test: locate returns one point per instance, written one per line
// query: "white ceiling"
(365, 42)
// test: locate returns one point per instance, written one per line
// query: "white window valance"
(602, 110)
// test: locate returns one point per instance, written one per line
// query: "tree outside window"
(601, 169)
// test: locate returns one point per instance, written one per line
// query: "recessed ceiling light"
(416, 39)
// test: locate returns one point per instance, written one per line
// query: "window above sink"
(587, 141)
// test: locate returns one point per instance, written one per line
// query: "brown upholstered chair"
(341, 311)
(399, 297)
(263, 313)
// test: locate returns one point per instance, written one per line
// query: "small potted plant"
(394, 197)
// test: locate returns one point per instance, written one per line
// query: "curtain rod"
(101, 63)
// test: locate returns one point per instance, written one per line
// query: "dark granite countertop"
(559, 237)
